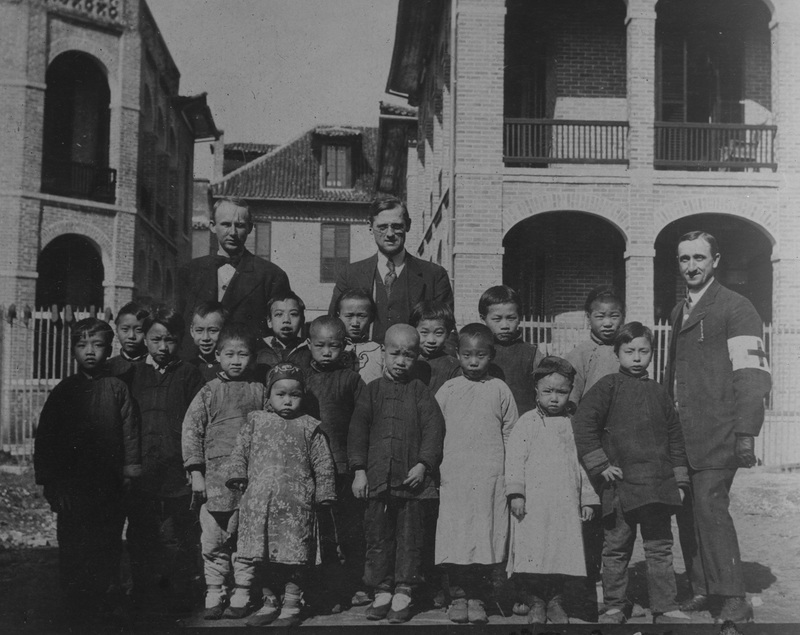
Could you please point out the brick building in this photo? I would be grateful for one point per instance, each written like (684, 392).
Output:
(564, 143)
(97, 154)
(309, 199)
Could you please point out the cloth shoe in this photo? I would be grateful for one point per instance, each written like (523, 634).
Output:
(214, 604)
(671, 617)
(380, 606)
(698, 602)
(538, 612)
(476, 612)
(239, 606)
(520, 608)
(613, 616)
(735, 609)
(637, 610)
(288, 618)
(401, 609)
(267, 614)
(458, 612)
(555, 611)
(360, 598)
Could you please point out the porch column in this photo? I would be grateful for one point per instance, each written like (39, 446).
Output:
(478, 151)
(641, 80)
(784, 345)
(639, 296)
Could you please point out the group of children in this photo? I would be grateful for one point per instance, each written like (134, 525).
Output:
(319, 462)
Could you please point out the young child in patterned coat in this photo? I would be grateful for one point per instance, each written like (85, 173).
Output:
(284, 466)
(210, 429)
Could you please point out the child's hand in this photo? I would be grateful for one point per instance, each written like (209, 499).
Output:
(360, 485)
(198, 483)
(587, 513)
(518, 507)
(415, 476)
(611, 474)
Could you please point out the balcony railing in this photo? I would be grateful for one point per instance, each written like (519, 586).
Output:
(714, 146)
(540, 142)
(79, 180)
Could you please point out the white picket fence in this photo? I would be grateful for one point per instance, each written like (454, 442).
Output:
(35, 355)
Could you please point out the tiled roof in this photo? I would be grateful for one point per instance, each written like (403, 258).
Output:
(250, 148)
(292, 171)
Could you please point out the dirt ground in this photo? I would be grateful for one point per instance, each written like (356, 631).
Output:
(766, 509)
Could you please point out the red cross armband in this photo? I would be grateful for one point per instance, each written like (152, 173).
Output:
(747, 351)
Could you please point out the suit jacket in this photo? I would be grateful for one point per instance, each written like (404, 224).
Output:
(245, 299)
(718, 375)
(426, 281)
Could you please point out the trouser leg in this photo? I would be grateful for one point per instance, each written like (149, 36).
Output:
(217, 545)
(618, 538)
(409, 543)
(379, 532)
(687, 536)
(655, 523)
(716, 534)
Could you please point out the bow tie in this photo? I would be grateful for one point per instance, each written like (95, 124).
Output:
(233, 261)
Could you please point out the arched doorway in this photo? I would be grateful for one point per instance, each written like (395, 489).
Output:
(745, 266)
(71, 272)
(75, 147)
(554, 259)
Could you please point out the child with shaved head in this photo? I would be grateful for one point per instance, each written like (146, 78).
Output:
(394, 448)
(332, 390)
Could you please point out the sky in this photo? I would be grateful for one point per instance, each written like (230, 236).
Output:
(275, 68)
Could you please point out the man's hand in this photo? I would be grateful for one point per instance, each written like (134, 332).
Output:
(360, 484)
(415, 476)
(611, 474)
(587, 513)
(745, 450)
(517, 505)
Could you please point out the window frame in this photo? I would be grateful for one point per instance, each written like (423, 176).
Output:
(329, 266)
(346, 168)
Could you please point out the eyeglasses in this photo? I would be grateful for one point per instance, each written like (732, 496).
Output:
(397, 228)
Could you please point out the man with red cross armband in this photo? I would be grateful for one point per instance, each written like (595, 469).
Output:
(718, 375)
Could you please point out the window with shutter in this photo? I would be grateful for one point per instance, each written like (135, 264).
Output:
(335, 250)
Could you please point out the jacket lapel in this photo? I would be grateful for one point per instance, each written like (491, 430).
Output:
(205, 280)
(703, 305)
(416, 282)
(366, 273)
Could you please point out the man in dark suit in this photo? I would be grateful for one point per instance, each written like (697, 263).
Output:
(395, 278)
(718, 375)
(242, 282)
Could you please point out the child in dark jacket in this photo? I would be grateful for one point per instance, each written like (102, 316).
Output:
(85, 455)
(332, 390)
(130, 334)
(435, 324)
(210, 427)
(394, 448)
(629, 438)
(161, 526)
(208, 318)
(500, 309)
(287, 316)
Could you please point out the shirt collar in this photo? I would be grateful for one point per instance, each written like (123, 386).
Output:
(625, 371)
(161, 369)
(696, 295)
(127, 357)
(274, 343)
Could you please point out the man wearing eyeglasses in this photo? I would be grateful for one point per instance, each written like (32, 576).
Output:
(395, 278)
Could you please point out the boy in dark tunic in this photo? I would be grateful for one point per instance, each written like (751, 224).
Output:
(208, 318)
(130, 334)
(394, 448)
(287, 315)
(162, 529)
(435, 323)
(85, 455)
(500, 309)
(629, 439)
(332, 390)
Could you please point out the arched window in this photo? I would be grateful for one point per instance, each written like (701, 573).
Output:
(75, 147)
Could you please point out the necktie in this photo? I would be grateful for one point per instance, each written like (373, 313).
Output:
(388, 281)
(687, 307)
(221, 261)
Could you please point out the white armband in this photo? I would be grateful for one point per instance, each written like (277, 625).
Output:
(747, 351)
